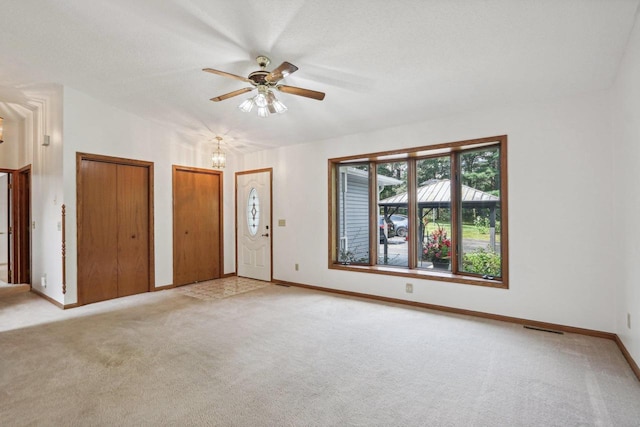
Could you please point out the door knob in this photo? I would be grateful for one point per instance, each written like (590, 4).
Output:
(265, 235)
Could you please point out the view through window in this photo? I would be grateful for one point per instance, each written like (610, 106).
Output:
(430, 210)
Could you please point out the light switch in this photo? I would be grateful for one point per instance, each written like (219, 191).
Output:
(282, 223)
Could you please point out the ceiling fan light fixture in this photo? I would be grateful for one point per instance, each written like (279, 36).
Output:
(247, 105)
(263, 112)
(261, 99)
(218, 158)
(265, 82)
(279, 106)
(275, 106)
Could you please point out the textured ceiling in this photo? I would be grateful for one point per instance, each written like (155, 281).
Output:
(381, 63)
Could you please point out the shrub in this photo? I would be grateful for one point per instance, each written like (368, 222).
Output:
(485, 262)
(482, 224)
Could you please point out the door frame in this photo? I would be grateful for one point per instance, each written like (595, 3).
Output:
(10, 224)
(175, 169)
(79, 188)
(19, 257)
(22, 225)
(249, 172)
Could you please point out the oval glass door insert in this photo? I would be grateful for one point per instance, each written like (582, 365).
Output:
(253, 212)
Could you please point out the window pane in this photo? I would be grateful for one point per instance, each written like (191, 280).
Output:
(434, 213)
(253, 212)
(392, 213)
(353, 214)
(480, 212)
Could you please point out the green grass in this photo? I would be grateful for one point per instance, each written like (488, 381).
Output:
(469, 231)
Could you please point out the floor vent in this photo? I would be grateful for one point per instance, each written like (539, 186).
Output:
(283, 285)
(543, 330)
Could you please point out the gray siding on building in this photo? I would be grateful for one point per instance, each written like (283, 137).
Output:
(353, 206)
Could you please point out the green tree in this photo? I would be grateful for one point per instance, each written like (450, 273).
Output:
(397, 170)
(433, 168)
(480, 170)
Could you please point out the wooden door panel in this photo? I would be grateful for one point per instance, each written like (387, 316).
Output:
(208, 234)
(196, 227)
(133, 229)
(97, 237)
(184, 228)
(22, 226)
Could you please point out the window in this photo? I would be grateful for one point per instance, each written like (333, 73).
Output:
(353, 217)
(435, 212)
(253, 212)
(392, 181)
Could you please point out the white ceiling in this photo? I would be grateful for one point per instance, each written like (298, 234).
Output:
(381, 63)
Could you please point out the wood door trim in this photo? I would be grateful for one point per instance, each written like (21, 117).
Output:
(248, 172)
(79, 187)
(10, 224)
(178, 168)
(270, 170)
(21, 238)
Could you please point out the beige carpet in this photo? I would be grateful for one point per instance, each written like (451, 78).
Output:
(279, 356)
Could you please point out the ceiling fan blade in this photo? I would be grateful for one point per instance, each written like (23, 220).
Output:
(281, 72)
(232, 94)
(225, 74)
(301, 92)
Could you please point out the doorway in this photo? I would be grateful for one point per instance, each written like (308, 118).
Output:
(115, 227)
(197, 225)
(253, 224)
(5, 220)
(15, 226)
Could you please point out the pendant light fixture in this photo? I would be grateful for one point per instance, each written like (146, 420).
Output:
(219, 158)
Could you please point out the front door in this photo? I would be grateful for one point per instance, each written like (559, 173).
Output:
(253, 224)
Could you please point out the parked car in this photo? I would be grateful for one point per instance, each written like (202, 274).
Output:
(391, 231)
(401, 224)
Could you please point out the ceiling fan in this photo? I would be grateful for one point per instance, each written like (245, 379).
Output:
(264, 81)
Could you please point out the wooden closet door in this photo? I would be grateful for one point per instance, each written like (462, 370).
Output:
(208, 242)
(97, 232)
(196, 226)
(133, 229)
(185, 264)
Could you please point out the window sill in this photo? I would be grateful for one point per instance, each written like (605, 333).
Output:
(422, 274)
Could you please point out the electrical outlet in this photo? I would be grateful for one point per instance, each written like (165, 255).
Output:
(629, 320)
(409, 288)
(297, 267)
(43, 281)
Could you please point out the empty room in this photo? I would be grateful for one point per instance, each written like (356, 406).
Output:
(301, 212)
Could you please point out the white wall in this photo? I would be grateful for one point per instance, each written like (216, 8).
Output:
(13, 140)
(626, 160)
(91, 126)
(41, 115)
(46, 191)
(560, 210)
